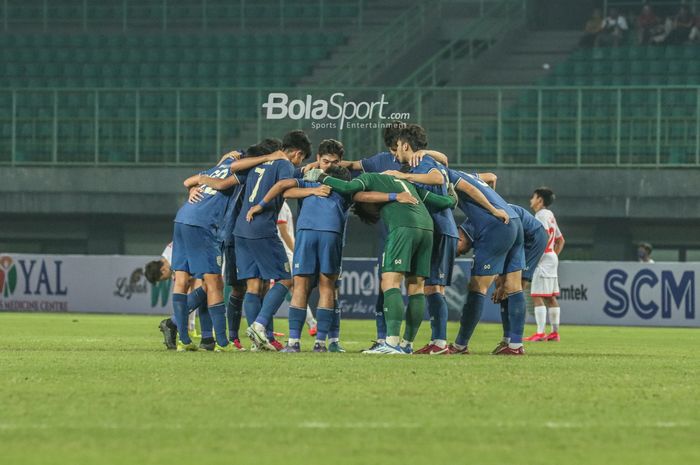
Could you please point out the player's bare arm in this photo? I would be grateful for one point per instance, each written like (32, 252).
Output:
(303, 192)
(489, 178)
(559, 245)
(481, 199)
(381, 197)
(434, 178)
(286, 237)
(418, 156)
(235, 154)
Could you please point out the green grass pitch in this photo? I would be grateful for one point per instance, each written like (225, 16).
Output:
(90, 389)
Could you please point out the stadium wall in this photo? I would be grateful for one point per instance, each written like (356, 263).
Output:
(127, 210)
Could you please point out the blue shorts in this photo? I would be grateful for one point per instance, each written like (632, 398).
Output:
(491, 246)
(317, 252)
(261, 258)
(515, 259)
(534, 248)
(442, 260)
(230, 271)
(196, 250)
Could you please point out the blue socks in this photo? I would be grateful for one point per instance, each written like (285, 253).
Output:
(181, 313)
(218, 317)
(516, 315)
(273, 299)
(471, 314)
(234, 311)
(251, 307)
(334, 332)
(379, 317)
(437, 308)
(196, 298)
(297, 318)
(205, 323)
(324, 318)
(505, 321)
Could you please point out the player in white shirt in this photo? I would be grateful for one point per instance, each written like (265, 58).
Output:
(160, 270)
(545, 281)
(285, 230)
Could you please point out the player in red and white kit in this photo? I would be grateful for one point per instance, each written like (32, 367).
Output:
(545, 281)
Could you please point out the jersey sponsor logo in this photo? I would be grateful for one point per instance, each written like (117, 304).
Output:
(296, 266)
(487, 266)
(649, 292)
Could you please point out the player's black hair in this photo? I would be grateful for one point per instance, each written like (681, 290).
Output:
(152, 271)
(368, 213)
(391, 133)
(414, 136)
(297, 140)
(264, 147)
(546, 194)
(339, 172)
(332, 147)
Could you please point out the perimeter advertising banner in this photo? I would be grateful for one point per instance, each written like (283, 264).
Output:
(593, 293)
(79, 283)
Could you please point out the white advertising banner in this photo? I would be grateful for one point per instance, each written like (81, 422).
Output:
(80, 283)
(629, 293)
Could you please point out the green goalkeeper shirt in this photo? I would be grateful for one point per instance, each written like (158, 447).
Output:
(395, 214)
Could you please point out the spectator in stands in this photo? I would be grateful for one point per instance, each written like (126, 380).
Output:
(647, 25)
(644, 253)
(681, 27)
(614, 29)
(695, 31)
(593, 26)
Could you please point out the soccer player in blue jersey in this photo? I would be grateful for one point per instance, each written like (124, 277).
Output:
(496, 233)
(260, 254)
(197, 247)
(319, 245)
(535, 242)
(432, 176)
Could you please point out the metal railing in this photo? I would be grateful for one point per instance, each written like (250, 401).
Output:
(475, 126)
(136, 15)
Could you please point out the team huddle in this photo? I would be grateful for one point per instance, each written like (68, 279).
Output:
(230, 223)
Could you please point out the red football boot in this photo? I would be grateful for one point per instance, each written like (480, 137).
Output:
(277, 345)
(237, 344)
(552, 337)
(452, 350)
(437, 350)
(423, 350)
(536, 337)
(508, 351)
(501, 345)
(313, 330)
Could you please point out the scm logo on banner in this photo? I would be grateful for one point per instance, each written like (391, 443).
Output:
(648, 293)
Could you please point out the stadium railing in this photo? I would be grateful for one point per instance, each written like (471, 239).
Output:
(624, 126)
(143, 15)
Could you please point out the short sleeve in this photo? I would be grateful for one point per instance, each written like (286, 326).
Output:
(426, 165)
(298, 173)
(453, 177)
(285, 170)
(372, 164)
(242, 176)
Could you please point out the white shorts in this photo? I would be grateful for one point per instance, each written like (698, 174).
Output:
(544, 286)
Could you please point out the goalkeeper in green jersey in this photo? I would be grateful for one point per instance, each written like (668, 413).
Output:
(408, 246)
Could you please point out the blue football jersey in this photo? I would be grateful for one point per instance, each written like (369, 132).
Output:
(383, 161)
(531, 225)
(258, 182)
(443, 220)
(323, 213)
(467, 205)
(208, 212)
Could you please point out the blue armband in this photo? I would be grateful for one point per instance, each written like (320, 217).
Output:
(392, 197)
